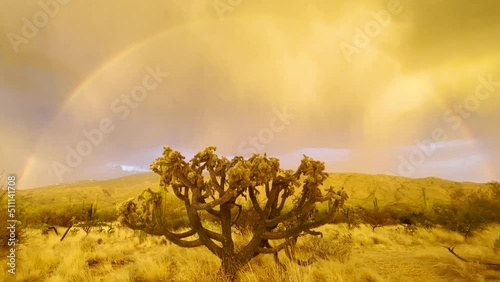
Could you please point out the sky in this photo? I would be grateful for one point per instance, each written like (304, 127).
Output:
(95, 89)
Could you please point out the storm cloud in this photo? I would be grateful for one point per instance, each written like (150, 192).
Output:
(402, 87)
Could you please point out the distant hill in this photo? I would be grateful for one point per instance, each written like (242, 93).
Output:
(361, 188)
(395, 190)
(109, 192)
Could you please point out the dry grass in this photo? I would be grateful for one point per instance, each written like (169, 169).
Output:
(388, 254)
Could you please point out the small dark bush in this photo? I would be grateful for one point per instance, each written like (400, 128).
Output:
(378, 217)
(246, 220)
(468, 213)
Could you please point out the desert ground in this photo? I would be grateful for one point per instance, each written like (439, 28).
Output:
(389, 253)
(350, 249)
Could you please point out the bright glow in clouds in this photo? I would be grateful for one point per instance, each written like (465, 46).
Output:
(400, 101)
(131, 168)
(227, 76)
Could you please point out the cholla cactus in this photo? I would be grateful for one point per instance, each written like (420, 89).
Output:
(259, 181)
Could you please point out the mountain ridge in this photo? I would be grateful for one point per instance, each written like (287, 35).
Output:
(362, 189)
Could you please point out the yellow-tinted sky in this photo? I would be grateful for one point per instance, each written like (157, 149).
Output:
(409, 88)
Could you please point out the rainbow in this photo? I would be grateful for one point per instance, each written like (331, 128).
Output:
(28, 165)
(78, 90)
(487, 167)
(466, 131)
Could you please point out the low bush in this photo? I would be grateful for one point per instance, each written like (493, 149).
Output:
(378, 217)
(335, 247)
(469, 213)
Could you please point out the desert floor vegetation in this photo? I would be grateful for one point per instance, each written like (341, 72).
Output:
(233, 222)
(389, 253)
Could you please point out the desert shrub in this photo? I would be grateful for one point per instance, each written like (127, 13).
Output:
(337, 247)
(107, 215)
(247, 219)
(63, 216)
(351, 216)
(410, 229)
(378, 217)
(457, 270)
(414, 220)
(494, 191)
(410, 218)
(175, 214)
(32, 216)
(36, 217)
(469, 213)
